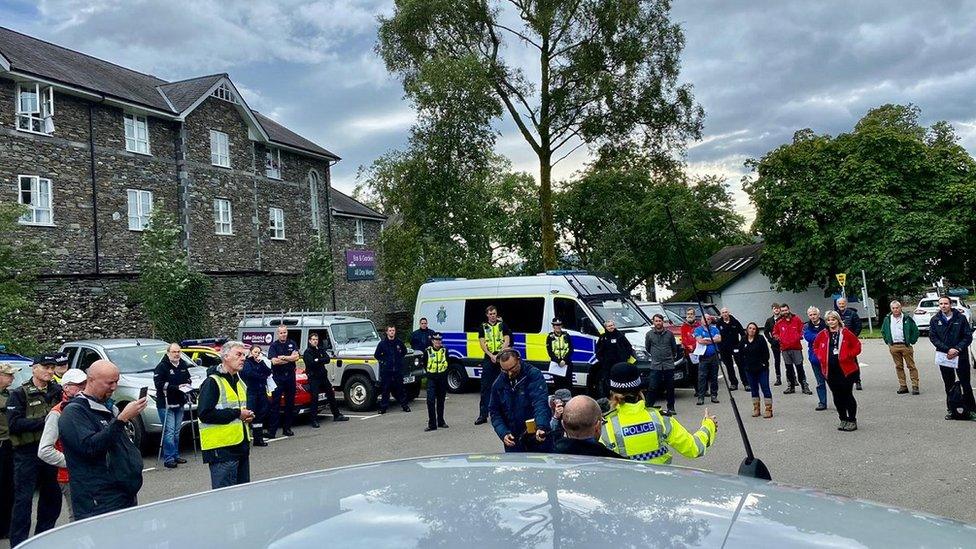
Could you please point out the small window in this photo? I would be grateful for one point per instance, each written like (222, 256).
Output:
(313, 191)
(140, 207)
(276, 223)
(136, 133)
(35, 193)
(360, 234)
(520, 314)
(272, 163)
(222, 216)
(35, 108)
(224, 93)
(573, 316)
(87, 358)
(219, 149)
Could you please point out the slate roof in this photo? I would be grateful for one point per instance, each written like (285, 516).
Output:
(48, 61)
(344, 204)
(728, 265)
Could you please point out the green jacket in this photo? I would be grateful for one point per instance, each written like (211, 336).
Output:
(911, 330)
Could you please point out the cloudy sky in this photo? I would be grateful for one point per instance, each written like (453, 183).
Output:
(761, 69)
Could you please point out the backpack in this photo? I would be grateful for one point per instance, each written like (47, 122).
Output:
(956, 400)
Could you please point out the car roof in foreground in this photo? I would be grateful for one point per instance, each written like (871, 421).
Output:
(116, 343)
(511, 500)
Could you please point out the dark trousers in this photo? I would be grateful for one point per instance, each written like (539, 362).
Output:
(30, 473)
(391, 381)
(794, 367)
(598, 380)
(318, 384)
(230, 473)
(730, 362)
(6, 487)
(257, 402)
(285, 387)
(436, 393)
(489, 372)
(776, 359)
(563, 382)
(950, 375)
(842, 389)
(708, 375)
(661, 382)
(759, 381)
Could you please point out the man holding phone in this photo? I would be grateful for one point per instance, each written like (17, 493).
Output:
(225, 432)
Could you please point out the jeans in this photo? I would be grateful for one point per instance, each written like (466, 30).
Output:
(30, 473)
(708, 375)
(842, 388)
(391, 381)
(285, 387)
(949, 376)
(436, 393)
(661, 382)
(230, 473)
(821, 383)
(171, 420)
(489, 372)
(759, 380)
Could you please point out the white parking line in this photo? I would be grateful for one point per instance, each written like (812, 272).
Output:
(367, 417)
(354, 415)
(275, 439)
(149, 469)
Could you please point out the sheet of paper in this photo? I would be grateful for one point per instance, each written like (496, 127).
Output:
(942, 359)
(694, 358)
(271, 384)
(700, 349)
(557, 370)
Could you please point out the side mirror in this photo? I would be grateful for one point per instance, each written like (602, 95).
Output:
(198, 361)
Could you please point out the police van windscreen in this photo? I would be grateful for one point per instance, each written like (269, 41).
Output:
(621, 311)
(354, 332)
(138, 358)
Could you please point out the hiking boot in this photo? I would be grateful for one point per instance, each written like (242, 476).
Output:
(779, 381)
(859, 388)
(902, 391)
(790, 389)
(701, 400)
(769, 409)
(842, 426)
(915, 390)
(480, 420)
(755, 407)
(714, 399)
(806, 388)
(820, 407)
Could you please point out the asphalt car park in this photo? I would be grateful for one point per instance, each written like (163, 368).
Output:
(903, 454)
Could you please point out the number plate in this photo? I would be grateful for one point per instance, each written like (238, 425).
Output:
(409, 379)
(323, 396)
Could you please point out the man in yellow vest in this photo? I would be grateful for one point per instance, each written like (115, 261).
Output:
(637, 432)
(225, 433)
(436, 360)
(493, 337)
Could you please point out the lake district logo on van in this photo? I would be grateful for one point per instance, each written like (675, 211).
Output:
(441, 315)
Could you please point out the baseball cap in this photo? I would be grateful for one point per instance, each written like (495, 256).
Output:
(48, 358)
(61, 358)
(563, 394)
(8, 369)
(74, 376)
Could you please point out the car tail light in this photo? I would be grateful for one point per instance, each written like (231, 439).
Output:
(919, 311)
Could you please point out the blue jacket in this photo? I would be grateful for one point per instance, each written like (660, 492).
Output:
(390, 354)
(255, 375)
(513, 403)
(420, 339)
(954, 333)
(810, 333)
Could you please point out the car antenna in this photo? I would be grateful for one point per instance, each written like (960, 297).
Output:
(751, 466)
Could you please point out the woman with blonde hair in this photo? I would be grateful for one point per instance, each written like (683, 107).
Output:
(837, 349)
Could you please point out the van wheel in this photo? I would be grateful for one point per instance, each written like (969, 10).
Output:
(457, 380)
(360, 393)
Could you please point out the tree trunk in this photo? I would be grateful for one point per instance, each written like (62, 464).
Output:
(545, 208)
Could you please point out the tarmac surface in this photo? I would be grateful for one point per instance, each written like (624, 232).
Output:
(903, 454)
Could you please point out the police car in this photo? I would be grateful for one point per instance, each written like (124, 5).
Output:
(17, 361)
(349, 340)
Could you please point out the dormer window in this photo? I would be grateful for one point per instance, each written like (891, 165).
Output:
(224, 93)
(272, 163)
(35, 108)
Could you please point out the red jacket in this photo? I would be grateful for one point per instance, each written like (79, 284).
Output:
(850, 347)
(789, 332)
(62, 472)
(688, 340)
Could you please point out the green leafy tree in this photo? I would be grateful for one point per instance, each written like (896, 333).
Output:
(890, 197)
(20, 261)
(569, 73)
(173, 294)
(615, 221)
(314, 286)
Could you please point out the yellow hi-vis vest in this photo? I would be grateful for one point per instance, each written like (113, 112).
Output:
(494, 338)
(642, 434)
(230, 434)
(560, 345)
(436, 360)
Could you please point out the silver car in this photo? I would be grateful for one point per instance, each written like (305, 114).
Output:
(136, 359)
(511, 500)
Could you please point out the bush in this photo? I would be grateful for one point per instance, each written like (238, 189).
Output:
(20, 262)
(313, 287)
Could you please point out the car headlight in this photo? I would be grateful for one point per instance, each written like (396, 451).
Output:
(641, 354)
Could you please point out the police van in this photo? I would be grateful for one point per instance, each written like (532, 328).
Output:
(349, 340)
(527, 304)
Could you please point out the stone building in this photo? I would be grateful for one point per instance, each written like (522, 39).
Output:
(93, 148)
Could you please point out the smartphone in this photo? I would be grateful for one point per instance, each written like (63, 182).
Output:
(143, 392)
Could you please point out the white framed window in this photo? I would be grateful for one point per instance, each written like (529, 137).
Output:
(136, 133)
(276, 223)
(222, 216)
(219, 149)
(35, 108)
(360, 234)
(313, 192)
(224, 92)
(140, 207)
(272, 163)
(35, 193)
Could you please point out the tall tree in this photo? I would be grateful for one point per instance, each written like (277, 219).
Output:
(615, 220)
(884, 198)
(569, 73)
